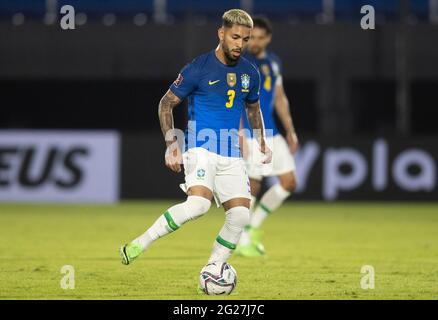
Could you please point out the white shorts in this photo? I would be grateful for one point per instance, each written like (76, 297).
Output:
(282, 160)
(226, 177)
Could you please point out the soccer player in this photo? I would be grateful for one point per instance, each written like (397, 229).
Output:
(218, 86)
(272, 97)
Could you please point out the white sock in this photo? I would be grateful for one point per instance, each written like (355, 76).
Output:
(235, 220)
(173, 218)
(245, 239)
(271, 200)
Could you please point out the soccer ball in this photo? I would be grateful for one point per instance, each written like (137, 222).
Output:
(218, 278)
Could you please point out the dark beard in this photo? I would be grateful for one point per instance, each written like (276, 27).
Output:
(229, 58)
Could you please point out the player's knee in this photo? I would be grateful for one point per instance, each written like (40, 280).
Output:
(238, 217)
(197, 206)
(289, 184)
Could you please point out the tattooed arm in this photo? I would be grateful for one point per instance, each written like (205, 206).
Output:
(242, 141)
(255, 120)
(173, 158)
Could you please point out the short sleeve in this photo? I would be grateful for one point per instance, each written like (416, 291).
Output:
(277, 65)
(254, 89)
(186, 82)
(277, 69)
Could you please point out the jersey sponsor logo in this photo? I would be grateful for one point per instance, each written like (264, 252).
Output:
(178, 80)
(245, 81)
(212, 82)
(231, 79)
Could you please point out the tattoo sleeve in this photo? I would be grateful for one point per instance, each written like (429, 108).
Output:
(255, 120)
(165, 107)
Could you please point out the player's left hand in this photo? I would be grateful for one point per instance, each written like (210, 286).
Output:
(173, 157)
(292, 141)
(267, 152)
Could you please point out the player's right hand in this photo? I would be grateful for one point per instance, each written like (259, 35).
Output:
(173, 157)
(267, 152)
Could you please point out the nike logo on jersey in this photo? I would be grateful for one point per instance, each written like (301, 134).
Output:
(212, 82)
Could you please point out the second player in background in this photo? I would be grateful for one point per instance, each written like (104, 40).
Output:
(272, 98)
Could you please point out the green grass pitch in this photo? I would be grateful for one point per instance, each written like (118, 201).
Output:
(315, 251)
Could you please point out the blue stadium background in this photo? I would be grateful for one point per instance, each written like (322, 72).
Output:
(345, 10)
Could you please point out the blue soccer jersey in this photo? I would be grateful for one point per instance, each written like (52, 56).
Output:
(270, 72)
(217, 94)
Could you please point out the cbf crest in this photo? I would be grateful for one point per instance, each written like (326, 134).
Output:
(200, 174)
(265, 69)
(245, 82)
(231, 79)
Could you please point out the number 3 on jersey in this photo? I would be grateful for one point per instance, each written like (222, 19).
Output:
(231, 94)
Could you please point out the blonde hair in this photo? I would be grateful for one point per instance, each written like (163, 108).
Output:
(237, 16)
